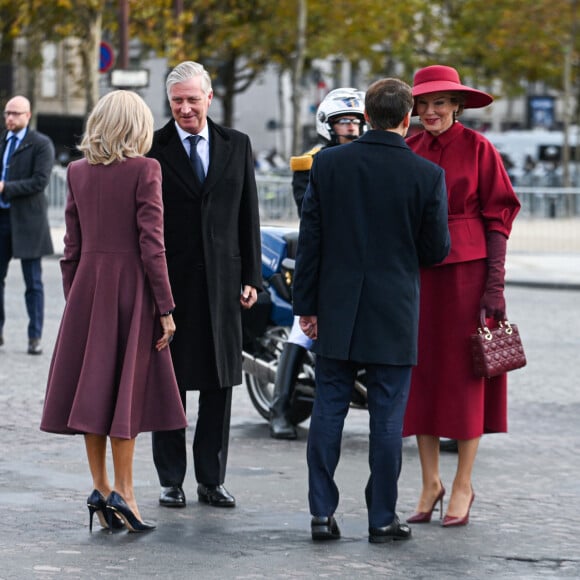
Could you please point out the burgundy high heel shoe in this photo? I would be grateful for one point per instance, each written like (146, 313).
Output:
(449, 521)
(425, 517)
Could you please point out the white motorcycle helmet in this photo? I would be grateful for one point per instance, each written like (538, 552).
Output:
(344, 101)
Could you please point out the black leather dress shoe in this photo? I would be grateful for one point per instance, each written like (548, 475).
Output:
(34, 346)
(324, 528)
(172, 496)
(394, 532)
(216, 495)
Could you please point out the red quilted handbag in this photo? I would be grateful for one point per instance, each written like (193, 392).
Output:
(498, 350)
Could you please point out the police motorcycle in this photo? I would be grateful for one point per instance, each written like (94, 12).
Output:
(266, 328)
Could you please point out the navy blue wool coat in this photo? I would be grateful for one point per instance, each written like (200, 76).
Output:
(373, 214)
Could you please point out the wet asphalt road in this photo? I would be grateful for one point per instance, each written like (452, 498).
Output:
(524, 522)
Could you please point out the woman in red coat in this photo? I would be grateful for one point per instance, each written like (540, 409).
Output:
(446, 398)
(111, 372)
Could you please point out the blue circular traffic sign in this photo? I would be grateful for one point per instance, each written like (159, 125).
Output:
(106, 57)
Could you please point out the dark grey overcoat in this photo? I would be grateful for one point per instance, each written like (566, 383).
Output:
(28, 175)
(212, 240)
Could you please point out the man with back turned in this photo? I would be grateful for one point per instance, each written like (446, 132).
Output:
(373, 213)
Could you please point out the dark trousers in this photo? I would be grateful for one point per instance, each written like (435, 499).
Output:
(387, 390)
(210, 443)
(32, 274)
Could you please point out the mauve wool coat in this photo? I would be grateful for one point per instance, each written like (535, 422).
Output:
(106, 377)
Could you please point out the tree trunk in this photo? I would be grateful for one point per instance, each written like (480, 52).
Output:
(224, 87)
(6, 82)
(297, 72)
(33, 61)
(281, 126)
(89, 52)
(6, 60)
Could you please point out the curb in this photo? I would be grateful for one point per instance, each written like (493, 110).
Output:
(544, 285)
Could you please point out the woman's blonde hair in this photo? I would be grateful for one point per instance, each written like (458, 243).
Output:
(120, 126)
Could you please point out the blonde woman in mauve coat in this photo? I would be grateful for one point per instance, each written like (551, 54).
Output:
(111, 374)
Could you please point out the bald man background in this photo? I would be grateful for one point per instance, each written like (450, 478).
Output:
(26, 161)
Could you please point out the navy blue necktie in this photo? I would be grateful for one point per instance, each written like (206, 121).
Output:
(11, 147)
(195, 158)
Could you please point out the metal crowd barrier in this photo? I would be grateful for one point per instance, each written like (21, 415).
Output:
(56, 193)
(276, 199)
(275, 195)
(549, 220)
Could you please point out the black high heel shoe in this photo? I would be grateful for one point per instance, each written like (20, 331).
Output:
(116, 505)
(97, 505)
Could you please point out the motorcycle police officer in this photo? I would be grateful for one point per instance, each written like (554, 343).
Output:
(339, 120)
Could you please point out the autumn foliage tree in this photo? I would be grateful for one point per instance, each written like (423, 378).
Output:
(509, 45)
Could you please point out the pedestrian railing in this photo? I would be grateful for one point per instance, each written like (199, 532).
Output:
(549, 202)
(56, 193)
(549, 221)
(276, 199)
(275, 195)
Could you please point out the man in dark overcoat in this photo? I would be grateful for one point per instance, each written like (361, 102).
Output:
(373, 213)
(26, 161)
(212, 240)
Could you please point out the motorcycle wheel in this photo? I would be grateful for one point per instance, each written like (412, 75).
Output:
(261, 392)
(359, 398)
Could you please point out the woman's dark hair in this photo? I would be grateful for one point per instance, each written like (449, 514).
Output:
(387, 102)
(458, 98)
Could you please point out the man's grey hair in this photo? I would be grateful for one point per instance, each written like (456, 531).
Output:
(187, 70)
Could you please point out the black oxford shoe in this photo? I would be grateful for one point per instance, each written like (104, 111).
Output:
(215, 495)
(323, 528)
(172, 496)
(394, 532)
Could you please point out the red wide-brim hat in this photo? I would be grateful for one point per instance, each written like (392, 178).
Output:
(439, 78)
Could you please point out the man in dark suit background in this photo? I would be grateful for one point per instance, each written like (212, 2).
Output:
(212, 241)
(373, 213)
(26, 161)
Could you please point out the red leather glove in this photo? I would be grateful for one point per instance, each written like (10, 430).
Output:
(493, 300)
